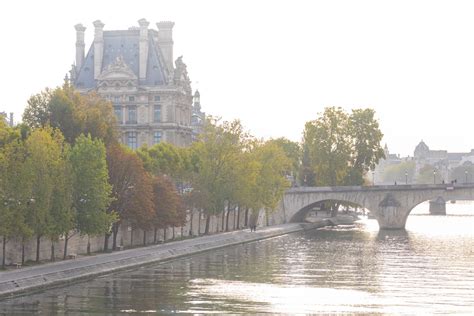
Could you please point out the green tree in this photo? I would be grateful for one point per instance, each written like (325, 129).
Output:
(426, 175)
(44, 162)
(15, 191)
(91, 189)
(365, 137)
(328, 147)
(463, 173)
(396, 173)
(72, 113)
(293, 152)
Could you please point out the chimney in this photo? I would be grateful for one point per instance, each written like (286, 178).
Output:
(11, 119)
(165, 41)
(98, 47)
(143, 48)
(80, 46)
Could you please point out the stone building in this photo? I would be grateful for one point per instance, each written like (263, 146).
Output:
(134, 69)
(197, 117)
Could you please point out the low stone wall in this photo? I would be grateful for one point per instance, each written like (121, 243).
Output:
(30, 279)
(126, 237)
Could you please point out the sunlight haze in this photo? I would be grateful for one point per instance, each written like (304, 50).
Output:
(277, 64)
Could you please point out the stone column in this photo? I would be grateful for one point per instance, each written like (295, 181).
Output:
(165, 41)
(80, 46)
(143, 48)
(98, 47)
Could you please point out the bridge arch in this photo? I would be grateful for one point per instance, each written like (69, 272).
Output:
(301, 214)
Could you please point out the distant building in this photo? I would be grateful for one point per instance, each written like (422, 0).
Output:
(7, 119)
(134, 69)
(442, 161)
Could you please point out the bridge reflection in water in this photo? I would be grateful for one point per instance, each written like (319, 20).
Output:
(390, 205)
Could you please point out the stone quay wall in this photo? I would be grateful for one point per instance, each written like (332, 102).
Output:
(126, 237)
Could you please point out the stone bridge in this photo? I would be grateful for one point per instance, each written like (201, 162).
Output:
(390, 204)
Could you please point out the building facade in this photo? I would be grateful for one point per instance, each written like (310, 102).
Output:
(134, 69)
(7, 119)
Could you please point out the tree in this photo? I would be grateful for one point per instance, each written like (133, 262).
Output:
(293, 152)
(463, 173)
(328, 147)
(91, 190)
(169, 208)
(365, 137)
(396, 173)
(271, 181)
(132, 191)
(45, 163)
(426, 175)
(15, 191)
(72, 113)
(218, 153)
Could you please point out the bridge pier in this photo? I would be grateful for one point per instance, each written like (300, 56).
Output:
(391, 214)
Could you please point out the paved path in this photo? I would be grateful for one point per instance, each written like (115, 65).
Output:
(29, 279)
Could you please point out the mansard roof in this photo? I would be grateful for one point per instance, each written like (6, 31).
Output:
(124, 44)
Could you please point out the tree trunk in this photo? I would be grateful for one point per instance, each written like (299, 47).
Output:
(246, 217)
(131, 237)
(53, 257)
(155, 232)
(173, 232)
(182, 231)
(38, 244)
(66, 239)
(199, 222)
(191, 224)
(223, 220)
(267, 220)
(106, 242)
(227, 218)
(115, 229)
(238, 217)
(144, 237)
(164, 234)
(233, 213)
(88, 244)
(23, 250)
(4, 251)
(208, 223)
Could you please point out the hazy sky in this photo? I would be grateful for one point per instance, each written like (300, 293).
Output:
(277, 64)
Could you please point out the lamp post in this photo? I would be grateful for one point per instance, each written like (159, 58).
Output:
(373, 177)
(465, 174)
(434, 176)
(406, 177)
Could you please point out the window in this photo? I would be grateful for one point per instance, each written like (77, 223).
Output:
(132, 114)
(132, 140)
(118, 114)
(156, 137)
(116, 98)
(157, 98)
(157, 113)
(131, 98)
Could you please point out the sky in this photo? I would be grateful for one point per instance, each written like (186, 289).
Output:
(277, 64)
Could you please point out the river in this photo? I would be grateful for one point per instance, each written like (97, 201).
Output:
(427, 269)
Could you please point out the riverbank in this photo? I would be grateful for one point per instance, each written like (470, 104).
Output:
(32, 279)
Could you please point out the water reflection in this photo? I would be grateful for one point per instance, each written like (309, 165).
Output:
(344, 270)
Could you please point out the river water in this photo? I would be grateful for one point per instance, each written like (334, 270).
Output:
(427, 269)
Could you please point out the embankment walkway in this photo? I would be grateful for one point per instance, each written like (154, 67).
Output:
(31, 279)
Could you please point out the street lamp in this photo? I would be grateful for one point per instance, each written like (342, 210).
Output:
(434, 176)
(406, 177)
